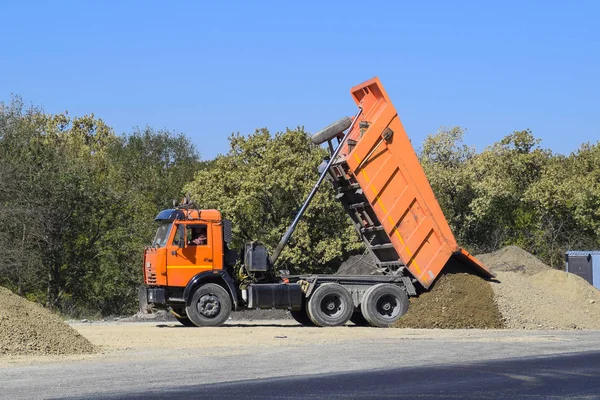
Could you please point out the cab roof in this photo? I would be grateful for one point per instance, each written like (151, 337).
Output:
(188, 214)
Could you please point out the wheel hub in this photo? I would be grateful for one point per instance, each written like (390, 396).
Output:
(332, 306)
(209, 305)
(387, 306)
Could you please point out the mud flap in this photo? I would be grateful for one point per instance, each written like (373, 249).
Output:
(143, 300)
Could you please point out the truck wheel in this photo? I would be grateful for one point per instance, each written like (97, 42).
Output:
(358, 319)
(331, 131)
(185, 321)
(210, 305)
(182, 318)
(301, 316)
(330, 305)
(384, 304)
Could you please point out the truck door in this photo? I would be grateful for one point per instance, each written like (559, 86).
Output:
(190, 252)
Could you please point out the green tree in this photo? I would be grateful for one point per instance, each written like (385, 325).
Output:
(77, 206)
(261, 183)
(444, 157)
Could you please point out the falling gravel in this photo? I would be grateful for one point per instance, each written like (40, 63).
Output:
(456, 301)
(29, 329)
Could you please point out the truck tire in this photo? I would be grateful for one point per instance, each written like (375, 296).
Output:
(301, 316)
(185, 321)
(210, 305)
(331, 131)
(330, 305)
(182, 317)
(383, 304)
(358, 319)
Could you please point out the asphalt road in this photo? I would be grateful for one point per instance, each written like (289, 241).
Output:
(277, 360)
(575, 376)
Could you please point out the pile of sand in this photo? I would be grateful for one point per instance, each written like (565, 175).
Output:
(27, 328)
(531, 295)
(457, 300)
(513, 259)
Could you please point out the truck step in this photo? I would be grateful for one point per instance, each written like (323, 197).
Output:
(359, 205)
(351, 144)
(391, 264)
(348, 188)
(370, 229)
(382, 246)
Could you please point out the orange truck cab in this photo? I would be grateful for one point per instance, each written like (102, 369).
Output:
(190, 269)
(188, 250)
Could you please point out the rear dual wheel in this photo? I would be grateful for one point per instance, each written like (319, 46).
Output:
(330, 305)
(301, 316)
(383, 304)
(358, 319)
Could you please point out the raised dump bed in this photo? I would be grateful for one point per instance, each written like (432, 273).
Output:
(383, 187)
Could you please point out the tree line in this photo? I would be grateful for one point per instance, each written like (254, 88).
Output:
(77, 204)
(77, 201)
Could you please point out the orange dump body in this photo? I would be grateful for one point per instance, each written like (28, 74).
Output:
(384, 188)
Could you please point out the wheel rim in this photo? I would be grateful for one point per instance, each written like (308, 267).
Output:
(332, 306)
(209, 306)
(388, 306)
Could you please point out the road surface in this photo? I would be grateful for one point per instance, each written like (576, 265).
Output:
(277, 359)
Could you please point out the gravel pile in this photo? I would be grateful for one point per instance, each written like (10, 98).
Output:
(513, 259)
(29, 329)
(531, 295)
(456, 301)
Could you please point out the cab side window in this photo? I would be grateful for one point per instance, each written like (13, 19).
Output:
(178, 239)
(196, 235)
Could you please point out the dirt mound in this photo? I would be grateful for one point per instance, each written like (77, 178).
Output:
(362, 264)
(548, 300)
(457, 300)
(27, 328)
(531, 295)
(513, 259)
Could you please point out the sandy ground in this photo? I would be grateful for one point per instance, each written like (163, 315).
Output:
(137, 357)
(127, 340)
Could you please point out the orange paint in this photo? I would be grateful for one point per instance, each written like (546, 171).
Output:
(395, 185)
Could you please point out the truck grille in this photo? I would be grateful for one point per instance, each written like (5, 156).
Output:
(150, 274)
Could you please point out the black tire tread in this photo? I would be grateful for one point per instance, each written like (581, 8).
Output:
(371, 295)
(196, 318)
(317, 296)
(301, 316)
(330, 131)
(358, 319)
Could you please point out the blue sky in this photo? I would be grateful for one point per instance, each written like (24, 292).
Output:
(208, 69)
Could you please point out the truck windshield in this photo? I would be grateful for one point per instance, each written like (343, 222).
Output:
(162, 234)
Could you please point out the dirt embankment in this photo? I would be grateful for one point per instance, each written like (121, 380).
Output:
(531, 295)
(28, 329)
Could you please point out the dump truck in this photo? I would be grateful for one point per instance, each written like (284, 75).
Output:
(190, 269)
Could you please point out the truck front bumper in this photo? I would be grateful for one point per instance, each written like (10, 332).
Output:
(150, 298)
